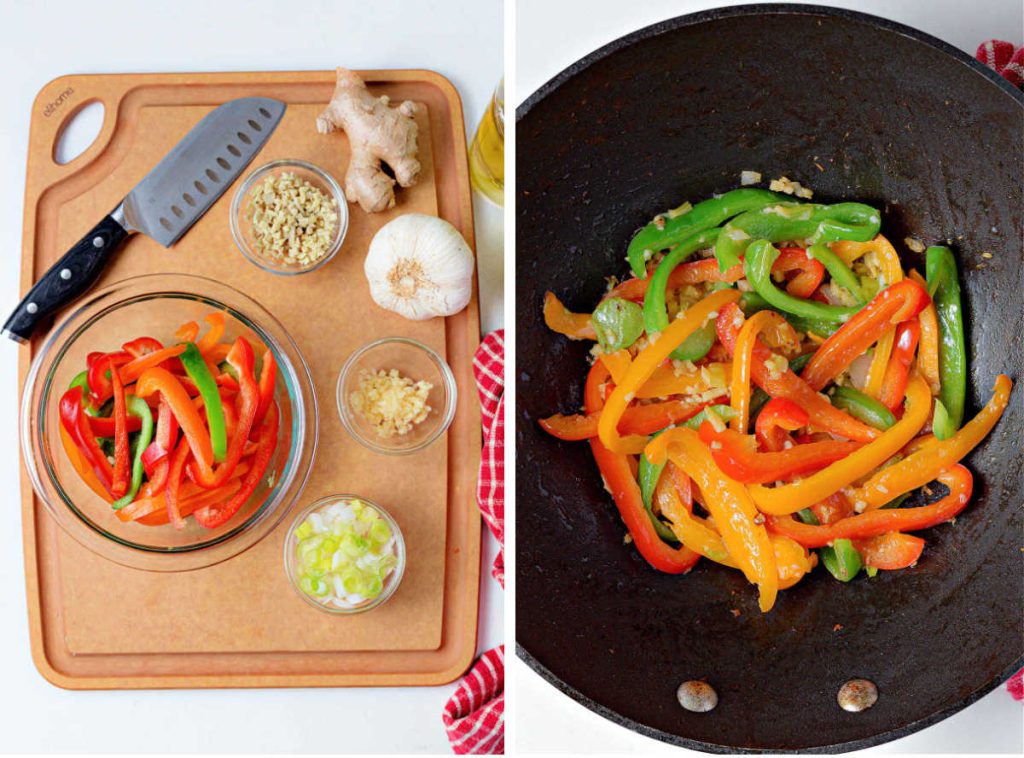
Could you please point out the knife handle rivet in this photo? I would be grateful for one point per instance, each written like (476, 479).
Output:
(97, 241)
(31, 307)
(65, 274)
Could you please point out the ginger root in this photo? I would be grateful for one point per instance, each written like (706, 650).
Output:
(376, 132)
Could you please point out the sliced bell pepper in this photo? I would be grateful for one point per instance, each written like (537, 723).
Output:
(665, 381)
(637, 419)
(890, 551)
(730, 504)
(175, 475)
(788, 385)
(934, 455)
(72, 418)
(928, 351)
(841, 274)
(159, 358)
(882, 521)
(188, 505)
(217, 322)
(736, 454)
(99, 380)
(790, 498)
(778, 417)
(645, 364)
(82, 466)
(761, 256)
(575, 326)
(861, 406)
(894, 385)
(833, 508)
(122, 453)
(82, 380)
(893, 305)
(160, 380)
(198, 372)
(137, 407)
(617, 323)
(267, 383)
(695, 272)
(945, 288)
(187, 332)
(667, 231)
(842, 560)
(743, 355)
(241, 358)
(212, 516)
(654, 488)
(809, 271)
(103, 426)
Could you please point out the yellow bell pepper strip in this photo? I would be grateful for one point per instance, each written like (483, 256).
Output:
(786, 384)
(792, 560)
(790, 498)
(743, 355)
(647, 361)
(160, 380)
(933, 455)
(575, 326)
(893, 305)
(665, 381)
(625, 491)
(928, 349)
(729, 503)
(892, 272)
(882, 521)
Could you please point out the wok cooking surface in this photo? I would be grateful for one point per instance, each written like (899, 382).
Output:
(675, 112)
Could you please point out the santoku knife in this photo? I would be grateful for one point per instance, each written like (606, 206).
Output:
(163, 206)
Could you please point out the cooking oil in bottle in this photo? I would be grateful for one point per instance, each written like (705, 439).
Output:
(487, 153)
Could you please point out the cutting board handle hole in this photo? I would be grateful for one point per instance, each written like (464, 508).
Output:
(78, 132)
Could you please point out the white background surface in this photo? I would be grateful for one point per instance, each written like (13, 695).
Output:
(551, 36)
(460, 39)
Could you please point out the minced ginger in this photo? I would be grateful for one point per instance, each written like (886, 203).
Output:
(292, 221)
(391, 403)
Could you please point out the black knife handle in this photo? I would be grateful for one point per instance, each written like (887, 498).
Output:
(66, 280)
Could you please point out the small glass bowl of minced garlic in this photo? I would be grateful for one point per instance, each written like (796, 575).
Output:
(396, 395)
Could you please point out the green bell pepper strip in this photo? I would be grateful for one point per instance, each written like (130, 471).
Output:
(618, 323)
(841, 559)
(942, 424)
(841, 273)
(136, 406)
(862, 407)
(665, 232)
(761, 254)
(751, 303)
(199, 372)
(82, 380)
(789, 221)
(944, 287)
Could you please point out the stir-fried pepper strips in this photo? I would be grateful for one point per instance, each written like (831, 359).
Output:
(761, 254)
(861, 406)
(945, 289)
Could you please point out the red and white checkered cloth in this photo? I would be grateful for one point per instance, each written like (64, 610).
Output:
(1003, 58)
(474, 717)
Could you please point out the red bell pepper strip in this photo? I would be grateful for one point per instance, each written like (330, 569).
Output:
(695, 272)
(103, 426)
(638, 419)
(625, 491)
(890, 551)
(175, 474)
(894, 383)
(810, 271)
(73, 420)
(241, 358)
(268, 381)
(786, 384)
(777, 417)
(152, 456)
(141, 346)
(122, 453)
(833, 508)
(99, 382)
(160, 380)
(893, 305)
(212, 516)
(882, 521)
(737, 456)
(81, 465)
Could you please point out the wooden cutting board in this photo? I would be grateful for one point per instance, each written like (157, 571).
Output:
(97, 624)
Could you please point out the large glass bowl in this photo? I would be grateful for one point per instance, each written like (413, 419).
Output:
(155, 306)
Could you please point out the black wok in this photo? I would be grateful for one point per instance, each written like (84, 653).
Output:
(676, 111)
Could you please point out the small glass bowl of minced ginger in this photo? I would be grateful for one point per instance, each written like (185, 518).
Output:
(344, 554)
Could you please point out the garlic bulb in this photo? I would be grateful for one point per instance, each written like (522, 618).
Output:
(419, 267)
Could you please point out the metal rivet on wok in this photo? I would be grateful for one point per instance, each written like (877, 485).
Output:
(857, 695)
(697, 696)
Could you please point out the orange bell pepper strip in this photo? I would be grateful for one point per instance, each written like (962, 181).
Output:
(213, 335)
(153, 508)
(737, 456)
(928, 351)
(175, 474)
(876, 522)
(82, 466)
(790, 498)
(932, 456)
(729, 503)
(187, 332)
(786, 384)
(638, 419)
(645, 363)
(778, 417)
(132, 371)
(575, 326)
(743, 356)
(692, 531)
(695, 272)
(893, 305)
(894, 386)
(891, 551)
(160, 380)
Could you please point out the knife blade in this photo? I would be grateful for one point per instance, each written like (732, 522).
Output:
(163, 206)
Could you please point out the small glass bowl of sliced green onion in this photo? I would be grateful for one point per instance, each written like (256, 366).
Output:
(344, 554)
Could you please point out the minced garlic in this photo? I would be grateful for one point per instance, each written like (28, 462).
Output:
(392, 404)
(788, 186)
(292, 221)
